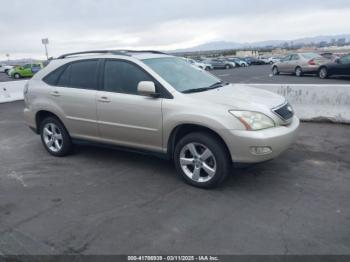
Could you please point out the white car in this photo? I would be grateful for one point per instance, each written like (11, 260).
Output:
(200, 65)
(5, 68)
(273, 60)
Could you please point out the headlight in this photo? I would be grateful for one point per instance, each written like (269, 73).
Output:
(253, 120)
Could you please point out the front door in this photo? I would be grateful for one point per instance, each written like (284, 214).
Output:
(125, 117)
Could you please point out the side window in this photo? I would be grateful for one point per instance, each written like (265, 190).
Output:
(82, 74)
(123, 77)
(295, 57)
(52, 78)
(64, 80)
(345, 59)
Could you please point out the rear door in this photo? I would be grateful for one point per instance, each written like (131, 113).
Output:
(125, 117)
(283, 65)
(293, 63)
(75, 95)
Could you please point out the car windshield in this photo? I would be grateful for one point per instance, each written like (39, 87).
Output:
(310, 55)
(181, 75)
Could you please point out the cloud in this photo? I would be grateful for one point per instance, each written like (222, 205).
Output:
(91, 24)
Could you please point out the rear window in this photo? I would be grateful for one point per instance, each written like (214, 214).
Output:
(310, 55)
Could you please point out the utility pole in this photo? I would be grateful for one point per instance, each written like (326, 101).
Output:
(45, 42)
(8, 57)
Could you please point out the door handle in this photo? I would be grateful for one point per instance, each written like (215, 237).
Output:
(104, 99)
(55, 93)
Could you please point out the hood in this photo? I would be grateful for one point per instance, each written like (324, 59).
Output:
(242, 97)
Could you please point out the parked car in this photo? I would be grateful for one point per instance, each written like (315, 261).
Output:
(340, 67)
(27, 70)
(200, 65)
(238, 62)
(265, 60)
(299, 64)
(272, 60)
(220, 64)
(332, 57)
(159, 103)
(5, 68)
(254, 61)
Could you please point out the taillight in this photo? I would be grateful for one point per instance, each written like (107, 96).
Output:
(312, 62)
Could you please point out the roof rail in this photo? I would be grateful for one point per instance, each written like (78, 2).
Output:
(115, 52)
(143, 51)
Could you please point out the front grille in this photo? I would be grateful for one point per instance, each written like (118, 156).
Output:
(285, 112)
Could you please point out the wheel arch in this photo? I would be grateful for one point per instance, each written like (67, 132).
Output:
(41, 115)
(182, 130)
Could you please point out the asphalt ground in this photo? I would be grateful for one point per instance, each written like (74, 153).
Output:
(104, 201)
(261, 74)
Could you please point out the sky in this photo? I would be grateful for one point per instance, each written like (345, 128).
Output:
(76, 25)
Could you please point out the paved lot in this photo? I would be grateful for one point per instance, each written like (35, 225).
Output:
(103, 201)
(262, 75)
(4, 78)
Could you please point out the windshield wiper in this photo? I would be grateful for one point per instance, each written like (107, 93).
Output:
(202, 89)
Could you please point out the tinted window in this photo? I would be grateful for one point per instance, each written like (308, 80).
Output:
(52, 78)
(65, 77)
(123, 77)
(82, 74)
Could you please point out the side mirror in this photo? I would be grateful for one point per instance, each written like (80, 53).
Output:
(337, 61)
(147, 88)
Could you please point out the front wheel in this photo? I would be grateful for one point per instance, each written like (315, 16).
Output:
(323, 73)
(202, 160)
(17, 76)
(227, 66)
(275, 71)
(55, 137)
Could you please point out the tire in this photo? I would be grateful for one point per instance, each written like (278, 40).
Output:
(298, 71)
(17, 76)
(275, 71)
(6, 71)
(52, 130)
(207, 68)
(323, 73)
(203, 173)
(227, 67)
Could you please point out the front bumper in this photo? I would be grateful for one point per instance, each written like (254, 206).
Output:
(278, 139)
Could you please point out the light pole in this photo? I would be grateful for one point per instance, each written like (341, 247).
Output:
(8, 57)
(45, 42)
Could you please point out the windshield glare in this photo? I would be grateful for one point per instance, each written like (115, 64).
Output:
(180, 74)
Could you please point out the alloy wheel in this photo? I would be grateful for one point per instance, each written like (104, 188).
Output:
(53, 137)
(198, 162)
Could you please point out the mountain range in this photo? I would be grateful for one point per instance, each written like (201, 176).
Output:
(224, 45)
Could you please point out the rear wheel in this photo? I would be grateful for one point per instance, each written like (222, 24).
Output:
(17, 76)
(6, 71)
(202, 160)
(55, 137)
(275, 71)
(298, 71)
(227, 66)
(323, 73)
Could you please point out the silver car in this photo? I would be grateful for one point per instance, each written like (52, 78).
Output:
(299, 64)
(152, 101)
